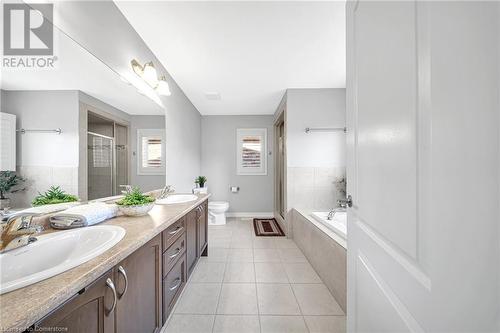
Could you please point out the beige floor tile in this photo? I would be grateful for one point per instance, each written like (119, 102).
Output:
(208, 272)
(199, 298)
(239, 272)
(236, 324)
(216, 255)
(291, 255)
(315, 299)
(238, 298)
(277, 299)
(301, 273)
(241, 255)
(282, 324)
(242, 243)
(190, 323)
(220, 232)
(266, 272)
(263, 243)
(222, 243)
(266, 255)
(285, 243)
(326, 324)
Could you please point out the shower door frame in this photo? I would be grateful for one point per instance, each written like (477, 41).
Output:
(113, 160)
(85, 109)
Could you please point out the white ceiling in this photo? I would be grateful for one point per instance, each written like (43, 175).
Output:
(77, 69)
(249, 52)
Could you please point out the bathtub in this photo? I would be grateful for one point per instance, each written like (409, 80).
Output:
(338, 224)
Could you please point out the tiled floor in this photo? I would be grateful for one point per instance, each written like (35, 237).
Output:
(254, 284)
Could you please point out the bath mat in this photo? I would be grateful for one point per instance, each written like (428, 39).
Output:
(267, 227)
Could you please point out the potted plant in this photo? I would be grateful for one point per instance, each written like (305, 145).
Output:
(54, 195)
(9, 183)
(200, 181)
(135, 203)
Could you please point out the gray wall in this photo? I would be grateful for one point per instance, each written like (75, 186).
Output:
(145, 182)
(112, 39)
(315, 108)
(218, 163)
(45, 158)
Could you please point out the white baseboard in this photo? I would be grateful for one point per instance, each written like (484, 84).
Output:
(250, 215)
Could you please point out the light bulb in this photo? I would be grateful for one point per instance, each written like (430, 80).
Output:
(149, 74)
(136, 67)
(163, 88)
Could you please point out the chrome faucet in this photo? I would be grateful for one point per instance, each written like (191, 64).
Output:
(166, 191)
(343, 203)
(17, 231)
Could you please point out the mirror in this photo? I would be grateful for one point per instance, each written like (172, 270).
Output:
(80, 126)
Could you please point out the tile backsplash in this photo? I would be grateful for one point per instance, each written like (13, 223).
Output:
(40, 178)
(313, 189)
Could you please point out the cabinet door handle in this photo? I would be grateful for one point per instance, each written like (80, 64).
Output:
(111, 286)
(176, 285)
(179, 228)
(121, 270)
(177, 252)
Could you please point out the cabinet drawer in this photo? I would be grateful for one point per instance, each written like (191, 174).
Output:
(173, 284)
(173, 253)
(171, 233)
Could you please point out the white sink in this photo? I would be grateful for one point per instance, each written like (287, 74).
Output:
(53, 254)
(177, 199)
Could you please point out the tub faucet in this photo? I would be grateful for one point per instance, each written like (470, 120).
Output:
(343, 204)
(17, 231)
(166, 191)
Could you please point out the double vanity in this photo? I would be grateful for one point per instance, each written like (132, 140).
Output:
(129, 287)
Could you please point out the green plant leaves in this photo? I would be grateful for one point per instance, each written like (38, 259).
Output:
(8, 181)
(54, 195)
(135, 198)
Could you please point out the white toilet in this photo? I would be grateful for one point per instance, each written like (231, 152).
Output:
(217, 212)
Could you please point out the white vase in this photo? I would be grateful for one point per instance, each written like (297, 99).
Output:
(200, 190)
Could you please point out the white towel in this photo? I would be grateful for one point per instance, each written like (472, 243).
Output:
(47, 209)
(84, 215)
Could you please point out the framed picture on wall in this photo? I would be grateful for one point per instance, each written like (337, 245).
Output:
(251, 151)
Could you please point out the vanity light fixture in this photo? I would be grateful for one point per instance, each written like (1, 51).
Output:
(150, 76)
(163, 88)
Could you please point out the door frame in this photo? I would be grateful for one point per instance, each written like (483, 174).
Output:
(280, 118)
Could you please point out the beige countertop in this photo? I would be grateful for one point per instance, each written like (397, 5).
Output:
(21, 308)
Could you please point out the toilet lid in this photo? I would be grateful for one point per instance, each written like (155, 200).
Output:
(218, 204)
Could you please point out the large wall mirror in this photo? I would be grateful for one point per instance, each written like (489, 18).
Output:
(78, 126)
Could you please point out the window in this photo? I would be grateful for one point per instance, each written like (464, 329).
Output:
(251, 151)
(151, 152)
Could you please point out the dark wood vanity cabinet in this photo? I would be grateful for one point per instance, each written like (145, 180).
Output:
(138, 294)
(181, 252)
(196, 234)
(91, 310)
(192, 240)
(202, 228)
(138, 286)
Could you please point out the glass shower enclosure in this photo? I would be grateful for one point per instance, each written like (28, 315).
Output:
(107, 157)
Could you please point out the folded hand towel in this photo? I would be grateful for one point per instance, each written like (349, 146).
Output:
(84, 215)
(47, 209)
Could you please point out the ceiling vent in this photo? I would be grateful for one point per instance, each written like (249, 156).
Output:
(213, 96)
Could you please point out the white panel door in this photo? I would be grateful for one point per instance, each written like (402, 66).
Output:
(414, 259)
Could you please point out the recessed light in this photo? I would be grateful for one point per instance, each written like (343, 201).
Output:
(213, 96)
